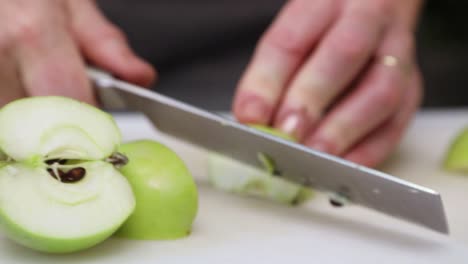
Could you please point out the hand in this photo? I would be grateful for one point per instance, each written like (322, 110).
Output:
(44, 45)
(339, 75)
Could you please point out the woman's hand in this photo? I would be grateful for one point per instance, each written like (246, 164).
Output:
(44, 45)
(339, 75)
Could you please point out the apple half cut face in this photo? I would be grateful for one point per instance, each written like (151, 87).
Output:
(60, 190)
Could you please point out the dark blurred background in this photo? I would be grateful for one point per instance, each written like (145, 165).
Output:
(201, 48)
(443, 53)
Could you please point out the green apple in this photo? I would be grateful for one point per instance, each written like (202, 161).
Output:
(165, 192)
(59, 189)
(232, 176)
(456, 157)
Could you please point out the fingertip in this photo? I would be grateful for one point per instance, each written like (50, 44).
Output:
(106, 47)
(136, 70)
(117, 58)
(250, 108)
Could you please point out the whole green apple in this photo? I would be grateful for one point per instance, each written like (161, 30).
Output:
(165, 192)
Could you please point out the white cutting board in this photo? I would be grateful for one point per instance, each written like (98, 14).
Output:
(234, 229)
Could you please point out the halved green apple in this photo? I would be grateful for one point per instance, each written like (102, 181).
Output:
(232, 176)
(59, 188)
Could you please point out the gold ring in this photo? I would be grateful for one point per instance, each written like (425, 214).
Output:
(390, 61)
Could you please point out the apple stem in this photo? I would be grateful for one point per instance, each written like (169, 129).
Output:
(117, 159)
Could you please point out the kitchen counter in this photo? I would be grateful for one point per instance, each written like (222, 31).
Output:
(238, 229)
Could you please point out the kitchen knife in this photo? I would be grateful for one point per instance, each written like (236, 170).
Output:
(346, 181)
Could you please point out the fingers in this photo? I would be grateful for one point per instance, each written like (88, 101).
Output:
(105, 45)
(369, 105)
(40, 50)
(10, 85)
(342, 53)
(373, 150)
(49, 63)
(375, 99)
(279, 53)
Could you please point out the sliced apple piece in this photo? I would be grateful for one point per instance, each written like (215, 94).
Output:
(232, 176)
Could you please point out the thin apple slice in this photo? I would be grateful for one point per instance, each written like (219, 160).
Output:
(41, 212)
(31, 128)
(232, 176)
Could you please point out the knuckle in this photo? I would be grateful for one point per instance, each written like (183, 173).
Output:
(310, 95)
(351, 46)
(264, 85)
(27, 29)
(111, 32)
(286, 40)
(389, 96)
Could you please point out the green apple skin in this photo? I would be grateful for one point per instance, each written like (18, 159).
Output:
(44, 240)
(456, 158)
(51, 245)
(165, 192)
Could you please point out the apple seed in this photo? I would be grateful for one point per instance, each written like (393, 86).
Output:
(74, 175)
(71, 176)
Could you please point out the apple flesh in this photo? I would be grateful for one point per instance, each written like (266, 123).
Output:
(165, 192)
(59, 190)
(456, 157)
(232, 176)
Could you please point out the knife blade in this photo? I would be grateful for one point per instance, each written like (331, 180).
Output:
(345, 180)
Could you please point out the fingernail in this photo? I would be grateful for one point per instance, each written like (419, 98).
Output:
(254, 111)
(295, 124)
